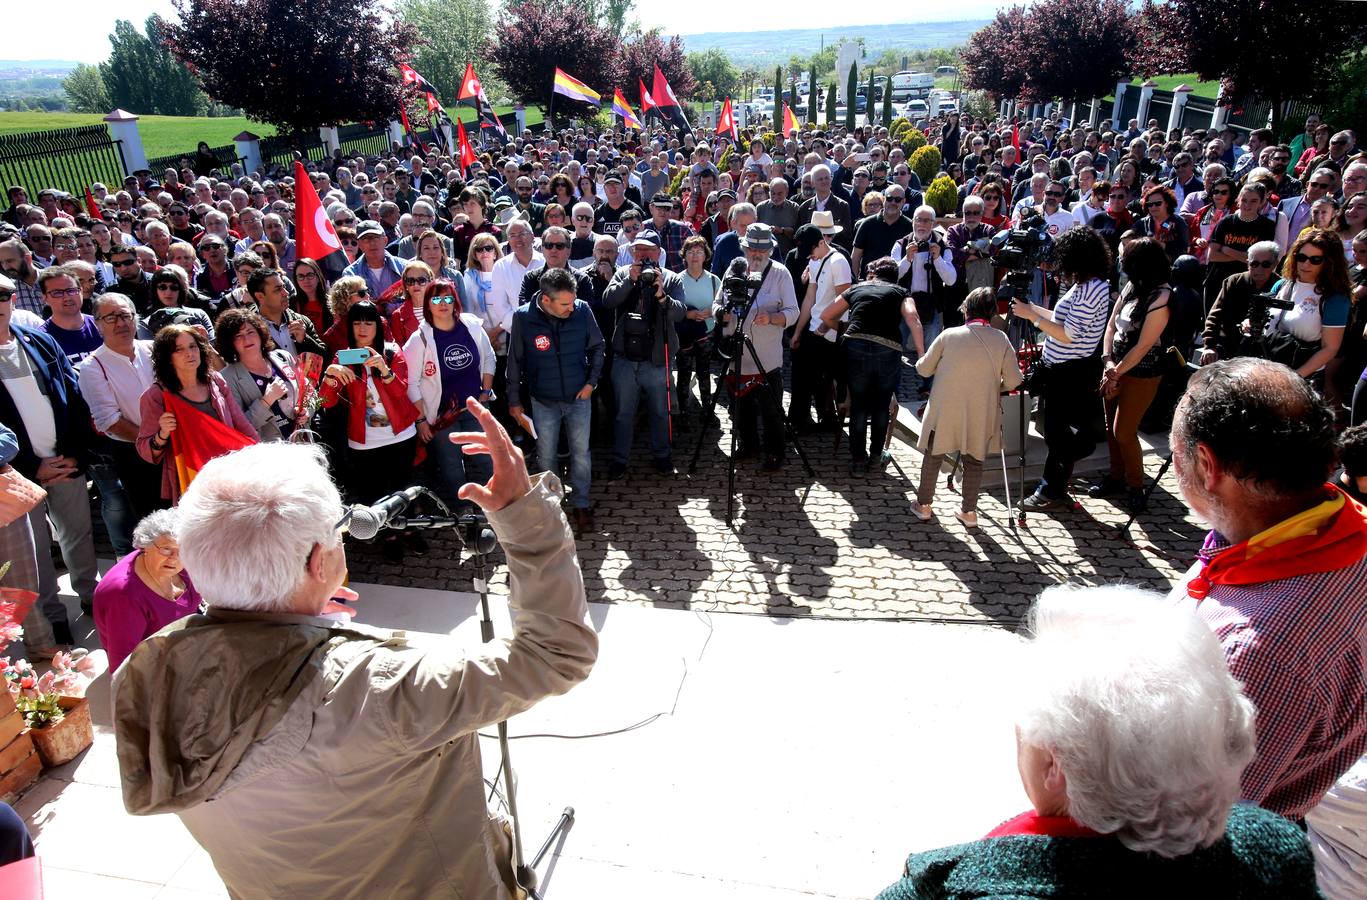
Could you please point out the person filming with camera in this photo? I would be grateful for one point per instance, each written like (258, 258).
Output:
(772, 304)
(649, 302)
(925, 267)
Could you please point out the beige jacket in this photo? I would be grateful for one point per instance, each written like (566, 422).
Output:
(972, 365)
(324, 760)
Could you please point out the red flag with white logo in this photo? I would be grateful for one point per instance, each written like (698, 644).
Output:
(467, 153)
(469, 85)
(647, 102)
(726, 122)
(314, 235)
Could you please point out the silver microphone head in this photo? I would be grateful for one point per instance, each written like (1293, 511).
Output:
(365, 522)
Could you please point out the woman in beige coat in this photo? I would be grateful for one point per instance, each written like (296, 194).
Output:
(972, 365)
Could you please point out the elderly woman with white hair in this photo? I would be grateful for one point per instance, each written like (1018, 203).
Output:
(1131, 737)
(146, 590)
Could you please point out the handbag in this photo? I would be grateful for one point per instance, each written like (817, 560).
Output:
(18, 495)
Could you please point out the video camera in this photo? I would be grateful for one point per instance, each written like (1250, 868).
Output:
(1260, 308)
(1020, 251)
(739, 289)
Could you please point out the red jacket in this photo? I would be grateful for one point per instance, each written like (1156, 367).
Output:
(393, 395)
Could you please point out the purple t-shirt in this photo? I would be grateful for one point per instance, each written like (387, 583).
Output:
(127, 610)
(79, 343)
(458, 363)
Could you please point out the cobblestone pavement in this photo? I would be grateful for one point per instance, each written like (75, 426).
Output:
(839, 546)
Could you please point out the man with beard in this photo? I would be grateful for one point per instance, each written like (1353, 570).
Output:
(1279, 160)
(16, 262)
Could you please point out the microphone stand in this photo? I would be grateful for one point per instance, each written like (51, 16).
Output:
(475, 535)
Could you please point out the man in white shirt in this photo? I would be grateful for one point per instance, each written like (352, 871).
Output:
(816, 357)
(926, 268)
(504, 299)
(113, 379)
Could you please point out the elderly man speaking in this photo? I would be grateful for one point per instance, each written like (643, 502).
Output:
(316, 758)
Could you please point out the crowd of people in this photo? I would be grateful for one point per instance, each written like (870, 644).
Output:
(572, 283)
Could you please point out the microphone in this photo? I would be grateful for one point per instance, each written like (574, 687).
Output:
(366, 521)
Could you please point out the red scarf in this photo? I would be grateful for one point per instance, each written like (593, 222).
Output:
(1341, 542)
(1047, 826)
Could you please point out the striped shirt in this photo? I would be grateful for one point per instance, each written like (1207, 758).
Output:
(1299, 646)
(1083, 313)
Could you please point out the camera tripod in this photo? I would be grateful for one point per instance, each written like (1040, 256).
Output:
(475, 535)
(771, 396)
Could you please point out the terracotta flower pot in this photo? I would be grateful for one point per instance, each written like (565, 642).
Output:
(61, 742)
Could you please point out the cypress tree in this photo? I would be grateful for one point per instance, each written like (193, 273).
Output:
(849, 95)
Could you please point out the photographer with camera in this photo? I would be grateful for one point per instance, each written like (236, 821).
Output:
(925, 267)
(1071, 360)
(1222, 337)
(764, 294)
(649, 302)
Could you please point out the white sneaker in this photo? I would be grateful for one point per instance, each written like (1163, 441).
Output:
(970, 519)
(924, 513)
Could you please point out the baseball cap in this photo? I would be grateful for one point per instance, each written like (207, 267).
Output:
(646, 238)
(612, 176)
(369, 227)
(662, 199)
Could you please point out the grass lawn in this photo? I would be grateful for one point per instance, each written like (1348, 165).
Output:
(1209, 89)
(164, 135)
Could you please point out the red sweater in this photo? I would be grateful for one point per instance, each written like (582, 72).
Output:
(393, 395)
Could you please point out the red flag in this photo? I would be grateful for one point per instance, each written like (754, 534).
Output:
(314, 235)
(403, 116)
(663, 94)
(726, 122)
(91, 206)
(469, 85)
(198, 438)
(432, 104)
(789, 121)
(1016, 137)
(647, 102)
(467, 153)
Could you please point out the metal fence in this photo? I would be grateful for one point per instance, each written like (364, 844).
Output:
(226, 156)
(365, 140)
(279, 150)
(68, 159)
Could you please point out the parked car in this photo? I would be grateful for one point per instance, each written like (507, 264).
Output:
(916, 109)
(946, 70)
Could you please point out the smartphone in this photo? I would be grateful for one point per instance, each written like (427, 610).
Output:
(353, 357)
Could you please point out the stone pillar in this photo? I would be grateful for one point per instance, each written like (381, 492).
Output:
(1120, 88)
(396, 133)
(846, 55)
(249, 150)
(520, 116)
(1180, 94)
(1145, 96)
(1095, 118)
(1219, 117)
(123, 126)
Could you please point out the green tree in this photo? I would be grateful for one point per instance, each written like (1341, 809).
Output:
(85, 90)
(887, 104)
(832, 96)
(454, 33)
(850, 88)
(143, 77)
(715, 66)
(611, 14)
(778, 97)
(868, 99)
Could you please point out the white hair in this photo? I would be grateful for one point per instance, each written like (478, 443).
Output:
(155, 525)
(1131, 695)
(251, 518)
(156, 228)
(1268, 247)
(582, 208)
(1354, 167)
(974, 201)
(923, 208)
(819, 169)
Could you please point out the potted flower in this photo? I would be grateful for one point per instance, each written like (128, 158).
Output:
(53, 704)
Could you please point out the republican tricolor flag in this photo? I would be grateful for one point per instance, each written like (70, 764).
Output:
(726, 122)
(198, 438)
(622, 108)
(789, 121)
(569, 86)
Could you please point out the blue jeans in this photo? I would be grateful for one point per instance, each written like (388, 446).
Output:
(873, 373)
(115, 508)
(629, 381)
(929, 332)
(449, 466)
(576, 416)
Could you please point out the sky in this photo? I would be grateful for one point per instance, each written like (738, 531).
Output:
(84, 25)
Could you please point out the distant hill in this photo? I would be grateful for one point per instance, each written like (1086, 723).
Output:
(772, 47)
(39, 65)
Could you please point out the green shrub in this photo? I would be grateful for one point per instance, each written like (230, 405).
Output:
(925, 162)
(943, 193)
(912, 140)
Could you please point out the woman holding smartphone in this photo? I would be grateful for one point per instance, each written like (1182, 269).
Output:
(371, 378)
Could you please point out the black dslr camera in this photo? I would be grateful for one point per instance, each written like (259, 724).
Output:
(650, 273)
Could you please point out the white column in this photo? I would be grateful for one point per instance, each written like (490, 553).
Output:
(330, 140)
(1095, 118)
(1145, 96)
(249, 149)
(395, 133)
(520, 116)
(1120, 88)
(123, 126)
(1072, 114)
(1180, 96)
(1219, 117)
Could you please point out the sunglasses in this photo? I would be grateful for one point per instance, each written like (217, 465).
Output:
(1260, 263)
(1322, 185)
(443, 300)
(1154, 204)
(1306, 258)
(484, 249)
(583, 218)
(417, 282)
(1053, 193)
(118, 264)
(1222, 192)
(556, 245)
